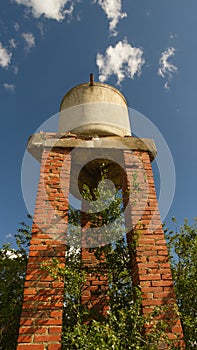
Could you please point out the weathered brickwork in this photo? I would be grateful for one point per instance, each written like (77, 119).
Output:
(94, 295)
(94, 290)
(41, 319)
(150, 264)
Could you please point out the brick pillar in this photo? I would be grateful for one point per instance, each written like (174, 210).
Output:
(94, 295)
(150, 264)
(41, 318)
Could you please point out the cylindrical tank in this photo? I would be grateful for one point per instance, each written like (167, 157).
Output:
(94, 109)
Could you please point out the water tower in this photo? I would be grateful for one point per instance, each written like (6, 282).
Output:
(94, 129)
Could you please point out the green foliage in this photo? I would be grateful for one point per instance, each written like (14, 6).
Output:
(12, 274)
(116, 329)
(123, 326)
(182, 245)
(74, 278)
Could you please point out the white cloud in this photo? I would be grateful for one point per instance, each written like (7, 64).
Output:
(15, 70)
(112, 8)
(5, 57)
(166, 69)
(173, 36)
(122, 60)
(9, 87)
(51, 9)
(30, 41)
(9, 235)
(16, 27)
(13, 43)
(40, 26)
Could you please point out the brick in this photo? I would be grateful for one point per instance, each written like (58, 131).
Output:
(148, 309)
(154, 302)
(24, 338)
(25, 322)
(147, 295)
(162, 283)
(56, 313)
(150, 277)
(29, 291)
(32, 330)
(47, 278)
(164, 294)
(30, 347)
(57, 284)
(47, 338)
(27, 330)
(152, 289)
(49, 322)
(163, 252)
(53, 330)
(145, 284)
(54, 347)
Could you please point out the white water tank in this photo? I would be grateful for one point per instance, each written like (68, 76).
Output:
(94, 109)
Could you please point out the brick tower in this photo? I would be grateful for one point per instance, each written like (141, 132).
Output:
(94, 127)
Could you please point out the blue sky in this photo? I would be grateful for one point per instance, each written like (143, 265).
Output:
(146, 48)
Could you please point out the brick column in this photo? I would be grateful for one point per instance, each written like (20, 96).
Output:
(150, 264)
(41, 318)
(94, 295)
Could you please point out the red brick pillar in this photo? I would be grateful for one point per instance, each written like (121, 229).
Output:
(41, 318)
(150, 264)
(94, 293)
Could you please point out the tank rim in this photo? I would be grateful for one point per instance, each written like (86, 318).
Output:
(98, 84)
